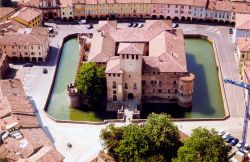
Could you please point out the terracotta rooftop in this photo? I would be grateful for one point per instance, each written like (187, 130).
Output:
(33, 3)
(131, 48)
(242, 21)
(102, 47)
(166, 47)
(113, 66)
(244, 44)
(106, 26)
(28, 14)
(4, 11)
(66, 3)
(23, 39)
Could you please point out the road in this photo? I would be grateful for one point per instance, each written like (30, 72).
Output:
(85, 138)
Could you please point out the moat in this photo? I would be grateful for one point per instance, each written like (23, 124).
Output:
(207, 99)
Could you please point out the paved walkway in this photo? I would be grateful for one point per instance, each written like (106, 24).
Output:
(129, 107)
(85, 138)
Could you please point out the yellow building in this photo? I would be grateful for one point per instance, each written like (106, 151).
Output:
(91, 9)
(79, 9)
(243, 49)
(29, 17)
(5, 13)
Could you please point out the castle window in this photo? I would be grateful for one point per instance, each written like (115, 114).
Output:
(113, 75)
(175, 91)
(127, 57)
(114, 98)
(114, 84)
(135, 87)
(174, 82)
(118, 75)
(136, 57)
(143, 82)
(114, 91)
(133, 57)
(159, 90)
(159, 82)
(153, 90)
(168, 90)
(109, 74)
(126, 86)
(242, 55)
(153, 73)
(123, 56)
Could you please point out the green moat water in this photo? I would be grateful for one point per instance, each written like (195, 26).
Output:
(207, 99)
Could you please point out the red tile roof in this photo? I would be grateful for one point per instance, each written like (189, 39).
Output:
(242, 21)
(28, 14)
(131, 48)
(5, 11)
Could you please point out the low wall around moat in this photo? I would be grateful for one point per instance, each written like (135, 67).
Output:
(227, 114)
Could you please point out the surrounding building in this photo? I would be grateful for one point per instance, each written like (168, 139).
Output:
(50, 8)
(5, 13)
(79, 9)
(10, 26)
(143, 64)
(30, 17)
(4, 64)
(66, 9)
(30, 44)
(242, 27)
(243, 49)
(21, 137)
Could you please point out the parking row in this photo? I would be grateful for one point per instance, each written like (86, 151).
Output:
(235, 142)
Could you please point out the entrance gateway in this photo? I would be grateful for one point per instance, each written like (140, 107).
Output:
(130, 96)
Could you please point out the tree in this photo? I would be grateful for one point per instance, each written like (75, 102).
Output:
(203, 146)
(158, 140)
(91, 82)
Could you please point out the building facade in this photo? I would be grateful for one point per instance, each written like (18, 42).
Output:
(243, 49)
(242, 27)
(66, 9)
(143, 66)
(50, 8)
(27, 44)
(4, 64)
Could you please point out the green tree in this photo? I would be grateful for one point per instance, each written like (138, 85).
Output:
(111, 136)
(91, 82)
(203, 146)
(157, 140)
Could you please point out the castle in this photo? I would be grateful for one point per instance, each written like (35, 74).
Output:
(147, 65)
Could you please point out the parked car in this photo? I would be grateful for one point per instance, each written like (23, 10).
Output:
(175, 25)
(28, 65)
(226, 135)
(234, 141)
(246, 146)
(135, 25)
(221, 132)
(130, 24)
(230, 30)
(45, 71)
(229, 139)
(82, 22)
(239, 144)
(90, 26)
(141, 25)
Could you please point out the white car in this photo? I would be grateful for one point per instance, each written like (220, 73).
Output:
(226, 135)
(239, 144)
(221, 132)
(140, 26)
(82, 22)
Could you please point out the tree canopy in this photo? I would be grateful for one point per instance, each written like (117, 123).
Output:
(91, 82)
(157, 140)
(203, 146)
